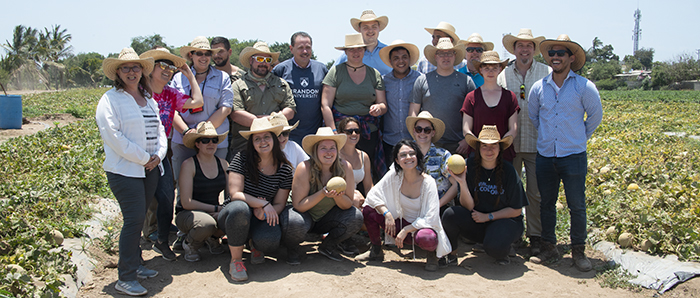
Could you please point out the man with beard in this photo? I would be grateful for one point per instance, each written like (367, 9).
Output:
(258, 93)
(519, 77)
(221, 58)
(565, 109)
(475, 46)
(369, 25)
(305, 77)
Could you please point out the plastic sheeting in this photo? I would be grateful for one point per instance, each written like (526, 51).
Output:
(651, 272)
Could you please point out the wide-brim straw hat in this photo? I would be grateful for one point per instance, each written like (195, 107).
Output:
(476, 38)
(262, 125)
(279, 119)
(164, 54)
(259, 47)
(323, 133)
(564, 40)
(490, 57)
(353, 40)
(127, 55)
(445, 27)
(445, 44)
(524, 34)
(489, 135)
(412, 52)
(438, 125)
(205, 129)
(369, 16)
(200, 43)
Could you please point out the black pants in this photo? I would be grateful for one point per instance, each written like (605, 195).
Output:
(497, 235)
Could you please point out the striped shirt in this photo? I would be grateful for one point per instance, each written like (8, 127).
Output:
(267, 186)
(526, 138)
(151, 119)
(558, 114)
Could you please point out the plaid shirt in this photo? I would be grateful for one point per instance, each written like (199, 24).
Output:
(526, 139)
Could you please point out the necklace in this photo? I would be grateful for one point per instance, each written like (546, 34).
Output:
(490, 175)
(204, 72)
(354, 69)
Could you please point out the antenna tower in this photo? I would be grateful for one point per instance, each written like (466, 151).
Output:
(637, 33)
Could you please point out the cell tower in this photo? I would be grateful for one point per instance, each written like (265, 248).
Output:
(637, 31)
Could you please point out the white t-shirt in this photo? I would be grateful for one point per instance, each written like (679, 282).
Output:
(295, 154)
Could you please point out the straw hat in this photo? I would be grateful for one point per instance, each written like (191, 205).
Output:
(262, 125)
(323, 133)
(476, 38)
(412, 52)
(524, 34)
(164, 54)
(489, 135)
(564, 40)
(369, 16)
(204, 129)
(445, 27)
(445, 44)
(200, 43)
(110, 65)
(353, 40)
(490, 57)
(259, 47)
(279, 119)
(438, 125)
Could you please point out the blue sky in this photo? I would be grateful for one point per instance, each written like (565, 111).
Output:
(106, 27)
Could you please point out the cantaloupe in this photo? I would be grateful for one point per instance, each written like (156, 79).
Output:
(456, 164)
(336, 183)
(625, 240)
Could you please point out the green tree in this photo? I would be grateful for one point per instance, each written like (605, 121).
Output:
(237, 47)
(283, 48)
(21, 48)
(56, 41)
(85, 69)
(668, 74)
(632, 62)
(645, 57)
(144, 43)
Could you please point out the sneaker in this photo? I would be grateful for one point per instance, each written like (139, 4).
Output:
(143, 272)
(153, 237)
(448, 260)
(164, 249)
(548, 253)
(131, 288)
(535, 245)
(578, 253)
(432, 263)
(348, 248)
(177, 245)
(191, 252)
(504, 261)
(478, 248)
(293, 256)
(256, 256)
(330, 253)
(375, 253)
(215, 247)
(237, 271)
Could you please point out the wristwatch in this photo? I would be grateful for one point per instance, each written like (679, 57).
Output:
(490, 216)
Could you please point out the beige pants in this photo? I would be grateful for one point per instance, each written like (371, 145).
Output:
(197, 225)
(532, 211)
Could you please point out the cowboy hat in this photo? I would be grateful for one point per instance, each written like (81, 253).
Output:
(524, 34)
(262, 125)
(199, 43)
(476, 38)
(353, 40)
(564, 40)
(259, 47)
(490, 57)
(445, 27)
(164, 54)
(489, 135)
(369, 16)
(438, 125)
(411, 48)
(445, 44)
(110, 65)
(323, 133)
(204, 129)
(279, 119)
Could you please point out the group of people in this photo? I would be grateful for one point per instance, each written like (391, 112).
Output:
(383, 118)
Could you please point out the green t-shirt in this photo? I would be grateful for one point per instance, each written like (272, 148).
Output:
(351, 98)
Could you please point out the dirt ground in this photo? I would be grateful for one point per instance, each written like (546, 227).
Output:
(36, 124)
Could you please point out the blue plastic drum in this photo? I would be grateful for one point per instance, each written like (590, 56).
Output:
(10, 112)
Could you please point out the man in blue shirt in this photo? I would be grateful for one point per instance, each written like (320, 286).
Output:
(475, 46)
(305, 76)
(369, 25)
(565, 109)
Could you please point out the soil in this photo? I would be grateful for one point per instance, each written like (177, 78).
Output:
(36, 124)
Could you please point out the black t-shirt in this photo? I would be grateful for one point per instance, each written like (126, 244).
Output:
(512, 193)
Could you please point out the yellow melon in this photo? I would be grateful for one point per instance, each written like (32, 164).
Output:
(336, 183)
(456, 164)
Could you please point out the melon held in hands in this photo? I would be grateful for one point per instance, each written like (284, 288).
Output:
(456, 164)
(336, 183)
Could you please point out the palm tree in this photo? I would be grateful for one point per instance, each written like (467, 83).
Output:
(57, 40)
(23, 46)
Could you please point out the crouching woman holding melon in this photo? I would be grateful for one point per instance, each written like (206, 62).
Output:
(318, 206)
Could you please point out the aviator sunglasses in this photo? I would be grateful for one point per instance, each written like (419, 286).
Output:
(477, 49)
(165, 66)
(522, 91)
(207, 140)
(262, 59)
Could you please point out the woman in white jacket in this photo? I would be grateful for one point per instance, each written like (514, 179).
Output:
(405, 201)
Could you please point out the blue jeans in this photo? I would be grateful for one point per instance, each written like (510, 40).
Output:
(165, 194)
(570, 170)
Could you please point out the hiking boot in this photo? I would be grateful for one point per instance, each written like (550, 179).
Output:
(448, 260)
(431, 264)
(131, 288)
(375, 253)
(548, 253)
(535, 245)
(348, 248)
(164, 249)
(478, 248)
(330, 252)
(215, 247)
(143, 272)
(293, 256)
(256, 256)
(237, 271)
(191, 252)
(578, 253)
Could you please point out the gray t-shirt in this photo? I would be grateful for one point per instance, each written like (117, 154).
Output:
(443, 97)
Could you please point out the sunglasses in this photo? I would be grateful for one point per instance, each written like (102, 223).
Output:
(419, 129)
(165, 66)
(352, 131)
(135, 68)
(285, 133)
(472, 49)
(207, 140)
(559, 53)
(200, 54)
(522, 91)
(262, 59)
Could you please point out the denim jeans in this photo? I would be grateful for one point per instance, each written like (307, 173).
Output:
(240, 225)
(571, 171)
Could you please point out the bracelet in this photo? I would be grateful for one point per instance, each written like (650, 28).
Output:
(268, 203)
(186, 130)
(335, 130)
(385, 212)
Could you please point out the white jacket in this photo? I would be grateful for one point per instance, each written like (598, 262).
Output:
(387, 192)
(123, 132)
